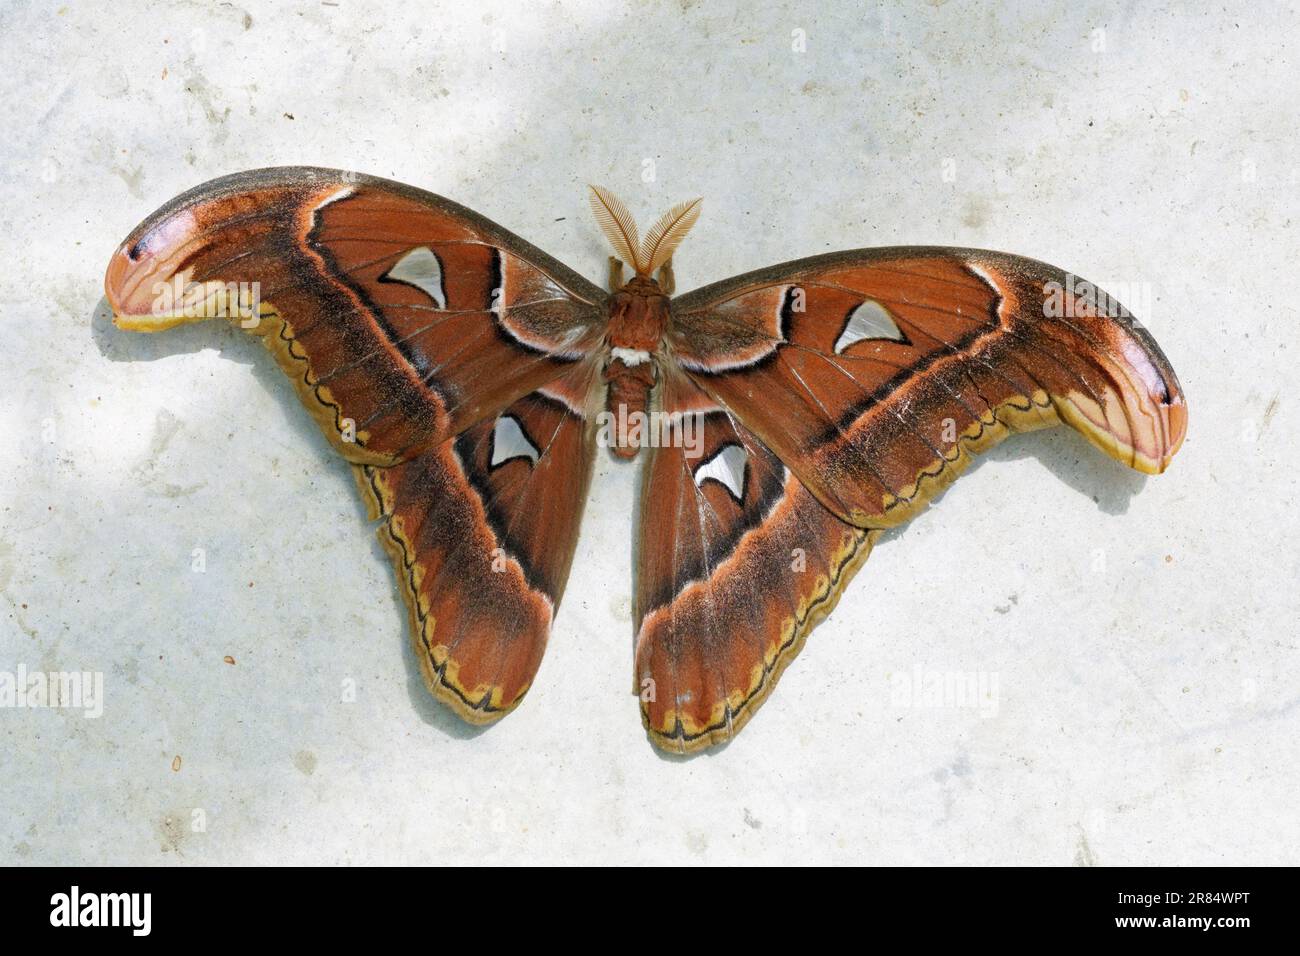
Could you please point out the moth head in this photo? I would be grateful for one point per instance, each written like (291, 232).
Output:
(645, 256)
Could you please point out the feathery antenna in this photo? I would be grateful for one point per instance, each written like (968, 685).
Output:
(667, 234)
(644, 256)
(617, 224)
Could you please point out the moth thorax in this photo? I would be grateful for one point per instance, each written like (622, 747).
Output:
(638, 316)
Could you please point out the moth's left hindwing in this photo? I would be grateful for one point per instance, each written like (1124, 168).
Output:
(449, 361)
(481, 532)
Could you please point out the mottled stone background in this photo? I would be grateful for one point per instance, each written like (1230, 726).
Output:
(1136, 638)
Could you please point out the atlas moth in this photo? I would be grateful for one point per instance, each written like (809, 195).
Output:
(798, 411)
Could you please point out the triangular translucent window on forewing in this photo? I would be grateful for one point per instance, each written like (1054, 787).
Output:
(870, 320)
(420, 268)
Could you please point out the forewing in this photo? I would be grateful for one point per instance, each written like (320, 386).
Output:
(401, 317)
(875, 375)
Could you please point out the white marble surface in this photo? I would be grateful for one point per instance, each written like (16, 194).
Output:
(1141, 633)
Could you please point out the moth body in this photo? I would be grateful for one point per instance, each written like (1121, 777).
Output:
(638, 318)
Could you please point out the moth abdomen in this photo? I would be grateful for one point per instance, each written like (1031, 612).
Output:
(627, 402)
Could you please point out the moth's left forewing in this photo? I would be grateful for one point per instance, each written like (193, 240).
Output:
(401, 317)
